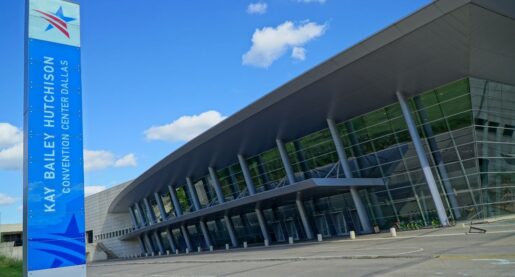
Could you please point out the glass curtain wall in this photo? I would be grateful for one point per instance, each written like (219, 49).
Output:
(467, 129)
(494, 125)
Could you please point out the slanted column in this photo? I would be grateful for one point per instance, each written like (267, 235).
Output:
(150, 212)
(205, 233)
(186, 237)
(262, 225)
(417, 142)
(304, 218)
(148, 243)
(160, 205)
(142, 218)
(142, 244)
(230, 229)
(157, 237)
(175, 201)
(437, 156)
(246, 174)
(286, 161)
(193, 194)
(216, 185)
(133, 218)
(171, 241)
(360, 207)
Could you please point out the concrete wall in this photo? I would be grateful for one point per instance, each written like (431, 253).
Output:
(110, 225)
(7, 249)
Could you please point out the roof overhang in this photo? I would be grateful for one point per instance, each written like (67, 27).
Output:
(303, 190)
(442, 42)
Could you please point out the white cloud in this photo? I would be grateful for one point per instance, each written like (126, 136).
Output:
(89, 190)
(6, 199)
(11, 147)
(9, 135)
(12, 158)
(185, 127)
(257, 8)
(311, 1)
(127, 160)
(269, 43)
(298, 53)
(101, 159)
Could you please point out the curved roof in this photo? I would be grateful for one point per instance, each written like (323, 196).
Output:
(442, 42)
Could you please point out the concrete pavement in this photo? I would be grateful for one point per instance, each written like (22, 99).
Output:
(429, 252)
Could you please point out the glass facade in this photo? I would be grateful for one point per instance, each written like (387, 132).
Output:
(467, 130)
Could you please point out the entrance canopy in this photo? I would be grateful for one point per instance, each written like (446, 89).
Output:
(315, 187)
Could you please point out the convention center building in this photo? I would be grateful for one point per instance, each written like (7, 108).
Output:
(412, 127)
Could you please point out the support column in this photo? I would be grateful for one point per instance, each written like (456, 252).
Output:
(262, 225)
(246, 174)
(437, 156)
(157, 237)
(142, 218)
(150, 212)
(193, 194)
(286, 161)
(160, 205)
(148, 243)
(133, 218)
(360, 208)
(186, 237)
(205, 233)
(142, 244)
(175, 201)
(171, 241)
(230, 229)
(304, 218)
(412, 128)
(216, 185)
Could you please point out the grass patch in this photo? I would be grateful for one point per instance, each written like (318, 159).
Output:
(10, 267)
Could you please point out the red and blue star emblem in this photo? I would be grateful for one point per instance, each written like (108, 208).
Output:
(57, 20)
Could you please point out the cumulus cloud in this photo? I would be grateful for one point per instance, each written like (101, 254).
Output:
(311, 1)
(9, 135)
(11, 147)
(257, 8)
(6, 199)
(89, 190)
(298, 53)
(185, 127)
(270, 43)
(127, 160)
(101, 159)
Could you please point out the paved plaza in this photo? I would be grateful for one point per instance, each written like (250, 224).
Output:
(430, 252)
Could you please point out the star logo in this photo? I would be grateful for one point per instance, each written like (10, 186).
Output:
(57, 20)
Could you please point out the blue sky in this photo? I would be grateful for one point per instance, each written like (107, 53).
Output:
(156, 73)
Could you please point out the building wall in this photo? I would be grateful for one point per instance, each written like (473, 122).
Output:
(107, 227)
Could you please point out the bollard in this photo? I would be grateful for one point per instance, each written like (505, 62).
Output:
(199, 249)
(167, 252)
(152, 254)
(176, 251)
(211, 248)
(146, 254)
(377, 230)
(159, 253)
(267, 243)
(226, 246)
(352, 235)
(187, 250)
(393, 232)
(244, 244)
(319, 237)
(290, 240)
